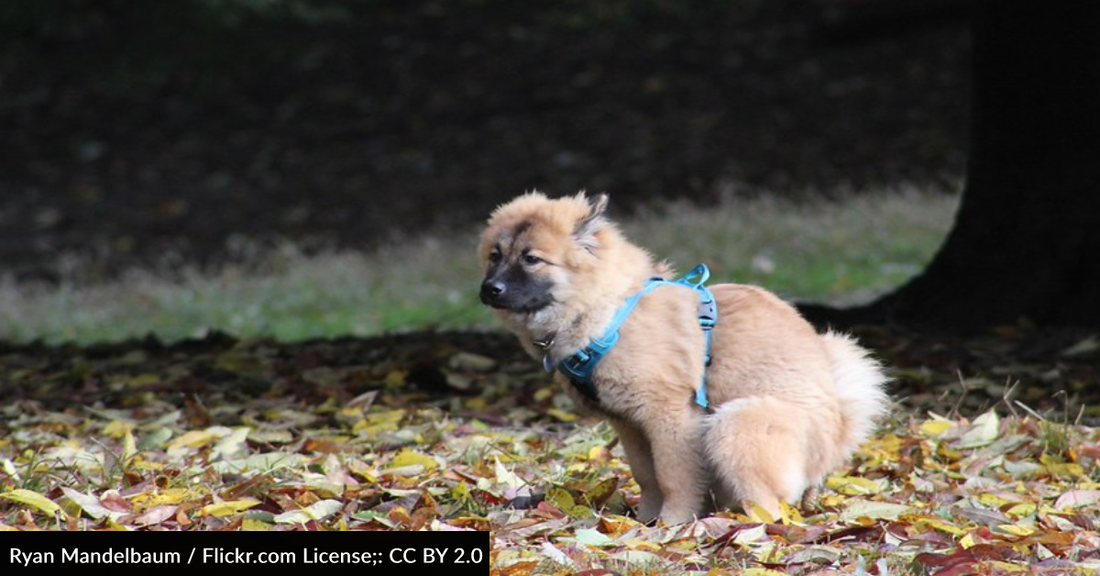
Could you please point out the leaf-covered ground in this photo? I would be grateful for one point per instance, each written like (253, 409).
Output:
(983, 468)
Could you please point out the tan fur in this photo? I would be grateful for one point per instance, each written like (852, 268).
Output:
(790, 405)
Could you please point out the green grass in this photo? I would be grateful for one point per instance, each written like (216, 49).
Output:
(840, 251)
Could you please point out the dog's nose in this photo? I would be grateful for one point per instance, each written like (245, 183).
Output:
(492, 290)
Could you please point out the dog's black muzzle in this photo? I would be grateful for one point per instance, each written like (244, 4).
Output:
(493, 292)
(512, 289)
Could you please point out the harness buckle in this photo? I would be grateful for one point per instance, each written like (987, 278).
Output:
(708, 314)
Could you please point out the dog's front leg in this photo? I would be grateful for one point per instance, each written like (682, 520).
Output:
(675, 438)
(640, 457)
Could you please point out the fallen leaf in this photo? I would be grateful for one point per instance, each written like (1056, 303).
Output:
(317, 511)
(592, 537)
(936, 426)
(155, 515)
(198, 438)
(88, 504)
(1077, 499)
(855, 509)
(982, 432)
(32, 499)
(410, 462)
(1083, 347)
(856, 485)
(229, 507)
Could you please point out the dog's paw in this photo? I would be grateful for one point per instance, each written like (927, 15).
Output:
(648, 511)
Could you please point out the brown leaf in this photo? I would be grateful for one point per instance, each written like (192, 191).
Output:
(156, 515)
(1077, 499)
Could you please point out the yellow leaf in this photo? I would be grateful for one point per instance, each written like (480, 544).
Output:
(1016, 529)
(369, 475)
(140, 464)
(478, 403)
(545, 393)
(886, 448)
(229, 507)
(383, 421)
(198, 438)
(599, 493)
(993, 501)
(32, 499)
(935, 427)
(946, 453)
(165, 497)
(789, 514)
(757, 513)
(566, 503)
(598, 453)
(1022, 509)
(129, 446)
(396, 378)
(250, 525)
(350, 415)
(562, 415)
(937, 524)
(411, 458)
(117, 428)
(855, 485)
(967, 541)
(1066, 469)
(1006, 566)
(116, 527)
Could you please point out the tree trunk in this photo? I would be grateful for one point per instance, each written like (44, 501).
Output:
(1026, 240)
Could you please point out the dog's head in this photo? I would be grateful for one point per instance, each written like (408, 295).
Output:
(534, 247)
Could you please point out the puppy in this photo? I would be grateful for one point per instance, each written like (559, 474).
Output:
(757, 406)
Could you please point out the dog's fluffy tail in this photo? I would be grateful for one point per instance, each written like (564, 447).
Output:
(859, 381)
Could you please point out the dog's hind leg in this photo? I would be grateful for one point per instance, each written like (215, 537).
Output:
(756, 448)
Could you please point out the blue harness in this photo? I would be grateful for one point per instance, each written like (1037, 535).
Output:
(580, 366)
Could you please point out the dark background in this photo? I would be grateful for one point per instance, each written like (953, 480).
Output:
(154, 133)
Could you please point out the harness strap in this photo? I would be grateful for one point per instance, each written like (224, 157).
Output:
(580, 366)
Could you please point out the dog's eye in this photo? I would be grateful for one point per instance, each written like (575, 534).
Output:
(494, 256)
(531, 259)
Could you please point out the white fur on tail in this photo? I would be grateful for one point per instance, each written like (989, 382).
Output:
(859, 381)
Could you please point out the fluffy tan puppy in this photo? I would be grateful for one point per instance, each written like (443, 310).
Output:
(787, 406)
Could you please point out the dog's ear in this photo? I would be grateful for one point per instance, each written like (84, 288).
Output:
(597, 205)
(585, 231)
